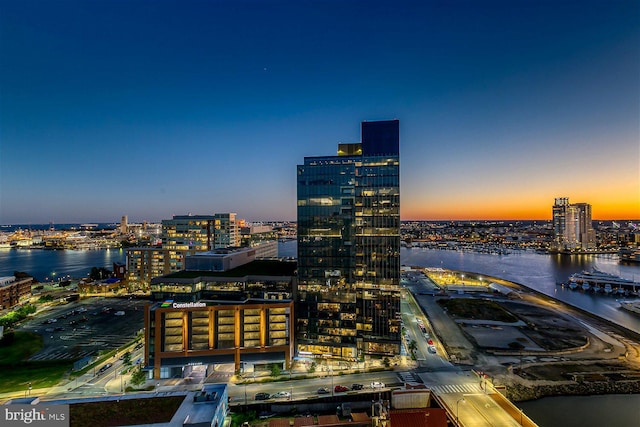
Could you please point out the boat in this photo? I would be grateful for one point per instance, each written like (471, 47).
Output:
(599, 281)
(632, 306)
(630, 255)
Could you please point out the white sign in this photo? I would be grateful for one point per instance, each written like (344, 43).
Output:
(188, 304)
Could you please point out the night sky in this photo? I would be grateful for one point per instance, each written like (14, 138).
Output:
(159, 108)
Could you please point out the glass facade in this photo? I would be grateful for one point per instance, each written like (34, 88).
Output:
(348, 300)
(572, 226)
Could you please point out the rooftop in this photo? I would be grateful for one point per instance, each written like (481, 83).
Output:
(254, 268)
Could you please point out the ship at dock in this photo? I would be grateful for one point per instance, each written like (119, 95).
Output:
(630, 255)
(601, 282)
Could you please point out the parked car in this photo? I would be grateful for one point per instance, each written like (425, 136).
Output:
(432, 349)
(430, 342)
(262, 396)
(281, 394)
(340, 389)
(357, 386)
(323, 390)
(377, 384)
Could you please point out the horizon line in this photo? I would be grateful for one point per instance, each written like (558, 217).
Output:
(288, 220)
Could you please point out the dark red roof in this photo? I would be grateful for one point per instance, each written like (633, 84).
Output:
(429, 417)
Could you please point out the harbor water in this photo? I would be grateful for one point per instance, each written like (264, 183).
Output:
(613, 410)
(47, 265)
(541, 272)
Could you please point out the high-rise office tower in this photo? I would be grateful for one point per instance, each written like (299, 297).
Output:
(124, 226)
(348, 298)
(572, 226)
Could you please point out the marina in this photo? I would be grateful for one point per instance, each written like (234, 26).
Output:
(601, 282)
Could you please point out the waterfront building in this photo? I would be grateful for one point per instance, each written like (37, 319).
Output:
(572, 226)
(227, 232)
(348, 298)
(14, 291)
(255, 234)
(225, 307)
(188, 233)
(145, 263)
(181, 236)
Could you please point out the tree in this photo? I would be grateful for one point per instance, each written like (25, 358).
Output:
(275, 370)
(138, 377)
(413, 346)
(312, 367)
(386, 362)
(127, 358)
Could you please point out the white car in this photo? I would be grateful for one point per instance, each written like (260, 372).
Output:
(377, 384)
(281, 394)
(432, 349)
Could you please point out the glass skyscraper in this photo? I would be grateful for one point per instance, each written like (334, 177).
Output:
(348, 297)
(572, 226)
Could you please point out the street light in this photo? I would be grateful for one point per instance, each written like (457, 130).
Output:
(457, 407)
(331, 372)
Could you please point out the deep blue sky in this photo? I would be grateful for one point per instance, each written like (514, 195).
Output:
(156, 108)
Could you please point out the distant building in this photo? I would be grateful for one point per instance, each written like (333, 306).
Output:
(14, 291)
(572, 226)
(124, 226)
(227, 232)
(185, 235)
(145, 263)
(227, 275)
(348, 302)
(253, 234)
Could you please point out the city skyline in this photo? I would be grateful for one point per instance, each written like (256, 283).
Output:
(112, 108)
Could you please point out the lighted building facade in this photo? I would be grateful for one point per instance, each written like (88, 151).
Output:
(572, 226)
(180, 336)
(226, 232)
(261, 279)
(14, 291)
(227, 307)
(181, 236)
(348, 299)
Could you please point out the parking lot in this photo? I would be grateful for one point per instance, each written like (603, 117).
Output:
(83, 328)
